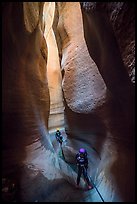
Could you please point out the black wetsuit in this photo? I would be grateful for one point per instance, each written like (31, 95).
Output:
(59, 137)
(82, 163)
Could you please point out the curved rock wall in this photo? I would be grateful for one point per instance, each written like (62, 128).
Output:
(125, 32)
(101, 128)
(28, 157)
(83, 86)
(25, 89)
(56, 117)
(94, 85)
(121, 16)
(105, 51)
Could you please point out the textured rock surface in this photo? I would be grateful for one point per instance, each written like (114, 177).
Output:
(25, 107)
(103, 48)
(106, 126)
(83, 86)
(122, 18)
(27, 150)
(30, 154)
(108, 140)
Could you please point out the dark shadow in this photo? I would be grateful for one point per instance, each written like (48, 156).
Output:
(38, 188)
(123, 168)
(103, 48)
(22, 119)
(12, 121)
(88, 128)
(123, 138)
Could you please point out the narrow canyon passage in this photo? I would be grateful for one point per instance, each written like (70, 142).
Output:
(68, 65)
(56, 115)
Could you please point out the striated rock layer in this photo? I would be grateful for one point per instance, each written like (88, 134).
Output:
(25, 90)
(121, 16)
(83, 86)
(28, 156)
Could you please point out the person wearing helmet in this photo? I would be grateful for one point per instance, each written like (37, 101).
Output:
(60, 140)
(59, 136)
(82, 164)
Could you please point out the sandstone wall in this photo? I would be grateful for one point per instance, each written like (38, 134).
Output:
(25, 90)
(121, 16)
(101, 118)
(95, 85)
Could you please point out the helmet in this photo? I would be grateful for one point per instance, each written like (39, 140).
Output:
(82, 151)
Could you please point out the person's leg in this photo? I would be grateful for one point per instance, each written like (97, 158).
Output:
(79, 175)
(86, 178)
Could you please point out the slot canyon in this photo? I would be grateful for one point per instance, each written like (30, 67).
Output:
(68, 66)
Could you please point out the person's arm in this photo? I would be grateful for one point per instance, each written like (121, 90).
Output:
(57, 137)
(77, 159)
(86, 163)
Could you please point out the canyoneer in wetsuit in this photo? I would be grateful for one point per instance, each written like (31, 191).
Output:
(59, 137)
(82, 164)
